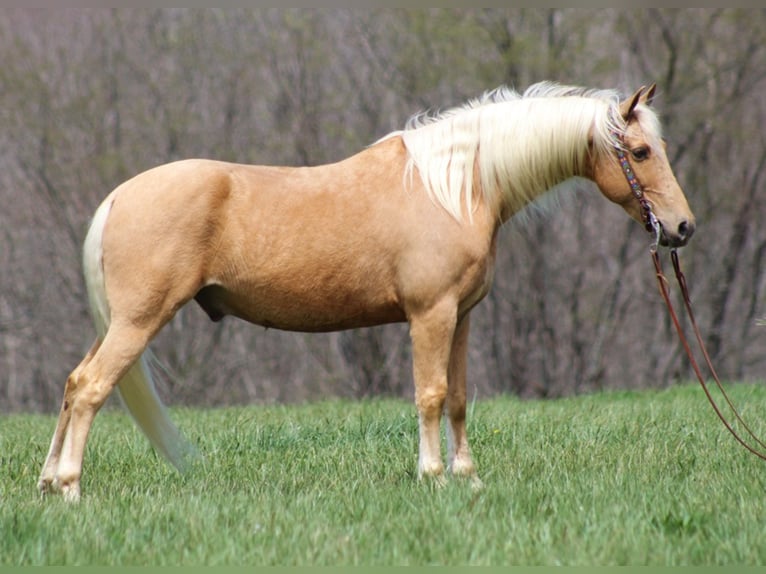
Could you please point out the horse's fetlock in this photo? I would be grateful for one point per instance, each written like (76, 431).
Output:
(45, 486)
(432, 468)
(65, 477)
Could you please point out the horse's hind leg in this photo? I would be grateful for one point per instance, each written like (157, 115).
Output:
(89, 386)
(48, 473)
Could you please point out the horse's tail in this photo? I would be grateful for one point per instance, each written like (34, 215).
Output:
(137, 389)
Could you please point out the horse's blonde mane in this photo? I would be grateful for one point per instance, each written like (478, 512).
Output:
(519, 145)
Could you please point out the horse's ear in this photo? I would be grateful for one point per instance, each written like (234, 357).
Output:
(648, 95)
(627, 106)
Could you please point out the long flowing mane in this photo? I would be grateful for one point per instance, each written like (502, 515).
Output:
(519, 145)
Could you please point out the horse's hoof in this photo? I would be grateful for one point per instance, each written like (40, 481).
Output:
(476, 483)
(71, 492)
(435, 480)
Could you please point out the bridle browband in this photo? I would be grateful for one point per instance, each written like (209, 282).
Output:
(652, 225)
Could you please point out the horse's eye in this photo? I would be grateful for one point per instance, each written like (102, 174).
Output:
(640, 153)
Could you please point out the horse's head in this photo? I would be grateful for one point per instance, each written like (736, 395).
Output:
(644, 149)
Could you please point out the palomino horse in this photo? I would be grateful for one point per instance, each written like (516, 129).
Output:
(405, 230)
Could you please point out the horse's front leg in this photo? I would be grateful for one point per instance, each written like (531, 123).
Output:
(459, 461)
(432, 333)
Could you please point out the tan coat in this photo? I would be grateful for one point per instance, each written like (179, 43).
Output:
(351, 244)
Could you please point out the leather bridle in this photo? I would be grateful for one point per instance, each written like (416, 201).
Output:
(651, 223)
(653, 226)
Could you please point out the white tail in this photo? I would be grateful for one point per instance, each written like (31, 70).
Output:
(136, 388)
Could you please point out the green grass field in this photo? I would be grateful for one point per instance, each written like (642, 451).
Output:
(612, 478)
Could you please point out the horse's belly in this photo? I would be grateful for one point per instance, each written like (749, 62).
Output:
(297, 310)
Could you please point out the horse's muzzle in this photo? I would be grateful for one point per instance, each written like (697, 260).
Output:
(679, 237)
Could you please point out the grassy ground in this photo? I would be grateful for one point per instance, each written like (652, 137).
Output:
(614, 478)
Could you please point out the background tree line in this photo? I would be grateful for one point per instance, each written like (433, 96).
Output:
(89, 98)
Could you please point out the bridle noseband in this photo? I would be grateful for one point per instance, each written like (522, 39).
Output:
(652, 225)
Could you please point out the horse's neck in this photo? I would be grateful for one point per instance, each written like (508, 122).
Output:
(509, 200)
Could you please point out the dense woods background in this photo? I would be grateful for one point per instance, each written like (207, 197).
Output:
(89, 98)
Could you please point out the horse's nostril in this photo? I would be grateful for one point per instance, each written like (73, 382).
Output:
(685, 229)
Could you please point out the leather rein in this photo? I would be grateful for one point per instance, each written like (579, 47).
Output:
(653, 226)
